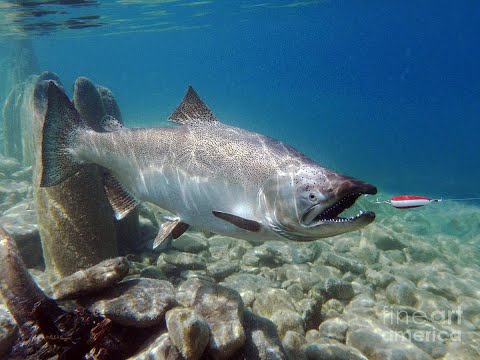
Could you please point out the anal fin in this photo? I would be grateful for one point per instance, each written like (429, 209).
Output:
(120, 199)
(242, 223)
(171, 226)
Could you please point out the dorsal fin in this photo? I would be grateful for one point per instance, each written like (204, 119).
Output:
(192, 110)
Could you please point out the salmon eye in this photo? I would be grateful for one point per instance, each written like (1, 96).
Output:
(312, 197)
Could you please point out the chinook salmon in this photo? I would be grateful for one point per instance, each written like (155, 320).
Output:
(215, 177)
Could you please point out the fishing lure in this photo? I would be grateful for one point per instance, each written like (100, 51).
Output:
(414, 201)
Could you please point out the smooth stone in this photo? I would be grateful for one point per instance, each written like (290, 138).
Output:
(457, 350)
(222, 308)
(137, 302)
(158, 348)
(20, 221)
(343, 263)
(339, 289)
(96, 278)
(305, 278)
(188, 331)
(152, 272)
(9, 165)
(385, 239)
(345, 244)
(421, 252)
(286, 319)
(292, 343)
(221, 269)
(311, 311)
(278, 252)
(470, 308)
(185, 261)
(378, 279)
(190, 242)
(449, 285)
(332, 308)
(262, 341)
(395, 255)
(8, 332)
(401, 294)
(246, 282)
(378, 343)
(296, 292)
(421, 333)
(320, 351)
(368, 254)
(334, 328)
(268, 301)
(429, 303)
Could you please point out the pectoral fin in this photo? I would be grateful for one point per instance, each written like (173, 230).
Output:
(242, 223)
(120, 199)
(173, 226)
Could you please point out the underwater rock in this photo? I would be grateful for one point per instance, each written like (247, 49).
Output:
(292, 343)
(334, 328)
(152, 272)
(384, 239)
(459, 350)
(8, 332)
(109, 103)
(278, 306)
(401, 294)
(343, 263)
(262, 341)
(93, 103)
(12, 123)
(88, 102)
(322, 351)
(286, 319)
(332, 308)
(379, 279)
(20, 222)
(368, 254)
(190, 242)
(303, 276)
(449, 285)
(136, 302)
(9, 165)
(158, 348)
(184, 261)
(93, 279)
(269, 301)
(75, 219)
(242, 282)
(222, 308)
(311, 311)
(188, 331)
(278, 252)
(377, 343)
(339, 289)
(19, 65)
(18, 289)
(221, 269)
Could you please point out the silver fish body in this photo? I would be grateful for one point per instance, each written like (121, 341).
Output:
(209, 175)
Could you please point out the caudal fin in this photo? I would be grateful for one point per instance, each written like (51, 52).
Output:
(62, 122)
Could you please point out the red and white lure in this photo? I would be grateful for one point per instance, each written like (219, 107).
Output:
(413, 201)
(410, 201)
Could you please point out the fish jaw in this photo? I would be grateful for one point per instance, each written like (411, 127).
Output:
(307, 205)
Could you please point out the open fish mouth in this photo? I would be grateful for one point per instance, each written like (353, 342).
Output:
(315, 216)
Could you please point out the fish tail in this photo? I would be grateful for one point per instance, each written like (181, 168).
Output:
(62, 124)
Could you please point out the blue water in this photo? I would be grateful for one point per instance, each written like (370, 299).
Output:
(386, 91)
